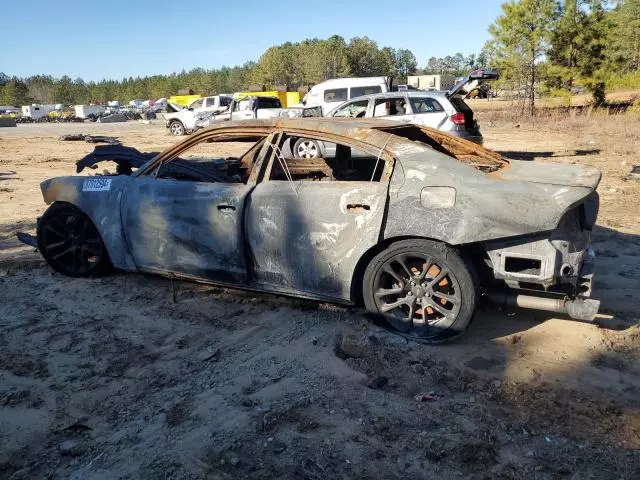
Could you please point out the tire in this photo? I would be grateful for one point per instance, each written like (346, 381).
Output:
(71, 243)
(306, 148)
(177, 128)
(437, 306)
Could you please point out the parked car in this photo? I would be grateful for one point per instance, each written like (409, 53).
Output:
(183, 120)
(446, 111)
(413, 228)
(331, 93)
(255, 107)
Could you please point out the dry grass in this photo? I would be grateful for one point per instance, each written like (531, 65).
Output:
(581, 100)
(615, 133)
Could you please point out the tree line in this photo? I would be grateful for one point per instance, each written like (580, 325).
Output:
(550, 46)
(555, 46)
(289, 66)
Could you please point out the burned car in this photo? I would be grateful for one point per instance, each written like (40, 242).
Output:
(415, 227)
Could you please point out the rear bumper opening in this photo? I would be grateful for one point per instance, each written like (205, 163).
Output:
(577, 306)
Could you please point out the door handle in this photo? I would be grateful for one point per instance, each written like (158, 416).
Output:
(357, 207)
(226, 207)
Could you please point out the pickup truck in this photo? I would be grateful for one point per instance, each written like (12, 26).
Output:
(255, 107)
(183, 120)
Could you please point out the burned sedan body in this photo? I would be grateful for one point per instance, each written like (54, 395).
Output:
(406, 220)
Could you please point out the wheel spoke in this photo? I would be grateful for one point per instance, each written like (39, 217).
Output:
(425, 322)
(53, 246)
(63, 253)
(438, 308)
(401, 261)
(383, 292)
(438, 278)
(385, 307)
(412, 310)
(391, 272)
(53, 230)
(455, 298)
(425, 268)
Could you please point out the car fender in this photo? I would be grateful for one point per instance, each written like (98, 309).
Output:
(99, 198)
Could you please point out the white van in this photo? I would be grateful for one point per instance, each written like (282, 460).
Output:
(331, 93)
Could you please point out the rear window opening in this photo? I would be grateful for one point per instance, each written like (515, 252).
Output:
(472, 154)
(523, 266)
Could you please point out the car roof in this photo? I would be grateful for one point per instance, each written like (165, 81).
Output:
(377, 133)
(339, 126)
(351, 82)
(409, 93)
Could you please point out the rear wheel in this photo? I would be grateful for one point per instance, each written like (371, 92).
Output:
(422, 288)
(176, 128)
(306, 148)
(70, 242)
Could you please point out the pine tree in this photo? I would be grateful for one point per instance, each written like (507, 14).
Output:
(625, 42)
(520, 38)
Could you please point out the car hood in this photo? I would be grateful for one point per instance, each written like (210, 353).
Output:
(552, 174)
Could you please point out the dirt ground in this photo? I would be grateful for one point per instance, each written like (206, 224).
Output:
(134, 376)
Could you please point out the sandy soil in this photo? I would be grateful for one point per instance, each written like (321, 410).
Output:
(133, 376)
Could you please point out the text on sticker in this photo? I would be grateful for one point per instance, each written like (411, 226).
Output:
(97, 185)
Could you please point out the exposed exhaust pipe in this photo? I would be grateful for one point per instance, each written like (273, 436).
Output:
(584, 309)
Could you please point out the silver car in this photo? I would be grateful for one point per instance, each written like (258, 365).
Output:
(444, 111)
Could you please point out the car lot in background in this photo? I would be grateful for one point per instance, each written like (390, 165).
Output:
(429, 109)
(446, 111)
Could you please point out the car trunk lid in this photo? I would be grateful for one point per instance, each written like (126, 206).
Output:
(556, 174)
(472, 81)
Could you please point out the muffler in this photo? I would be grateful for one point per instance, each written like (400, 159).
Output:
(584, 309)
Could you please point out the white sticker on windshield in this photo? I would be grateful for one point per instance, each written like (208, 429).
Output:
(97, 185)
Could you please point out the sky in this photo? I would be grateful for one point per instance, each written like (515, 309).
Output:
(95, 39)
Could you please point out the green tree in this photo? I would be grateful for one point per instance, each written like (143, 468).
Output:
(592, 65)
(367, 60)
(405, 64)
(520, 38)
(63, 92)
(14, 92)
(625, 40)
(336, 58)
(278, 67)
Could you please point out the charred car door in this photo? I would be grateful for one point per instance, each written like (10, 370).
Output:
(309, 221)
(191, 223)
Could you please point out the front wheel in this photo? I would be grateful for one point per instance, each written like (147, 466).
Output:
(70, 242)
(306, 148)
(423, 289)
(177, 128)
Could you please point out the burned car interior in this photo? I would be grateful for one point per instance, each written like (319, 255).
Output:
(346, 164)
(206, 166)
